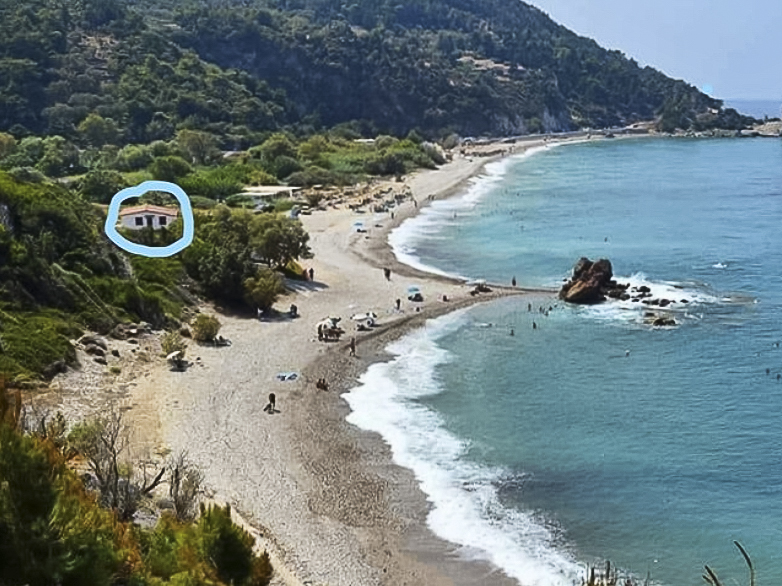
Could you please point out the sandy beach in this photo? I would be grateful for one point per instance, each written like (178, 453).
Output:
(323, 497)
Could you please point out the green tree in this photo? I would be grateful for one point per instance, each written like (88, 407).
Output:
(263, 290)
(229, 547)
(102, 184)
(277, 145)
(97, 130)
(200, 147)
(60, 157)
(133, 157)
(170, 168)
(278, 241)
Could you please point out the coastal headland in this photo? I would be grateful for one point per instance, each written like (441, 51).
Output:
(322, 496)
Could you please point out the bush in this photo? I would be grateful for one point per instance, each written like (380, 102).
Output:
(202, 203)
(27, 174)
(172, 342)
(170, 168)
(240, 201)
(205, 328)
(284, 166)
(133, 157)
(230, 548)
(311, 176)
(263, 289)
(101, 185)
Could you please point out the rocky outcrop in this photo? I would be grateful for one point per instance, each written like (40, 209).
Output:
(592, 282)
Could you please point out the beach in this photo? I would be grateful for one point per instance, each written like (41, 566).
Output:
(323, 497)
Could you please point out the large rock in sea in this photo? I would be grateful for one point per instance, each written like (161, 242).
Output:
(592, 282)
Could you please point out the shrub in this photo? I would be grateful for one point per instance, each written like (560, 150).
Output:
(202, 203)
(230, 548)
(263, 289)
(205, 328)
(133, 157)
(311, 176)
(284, 166)
(239, 201)
(102, 185)
(170, 168)
(172, 342)
(27, 174)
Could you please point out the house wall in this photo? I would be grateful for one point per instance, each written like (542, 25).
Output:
(129, 221)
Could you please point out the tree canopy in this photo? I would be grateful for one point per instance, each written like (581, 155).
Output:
(106, 71)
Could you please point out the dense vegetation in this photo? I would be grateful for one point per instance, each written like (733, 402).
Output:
(54, 531)
(115, 71)
(59, 274)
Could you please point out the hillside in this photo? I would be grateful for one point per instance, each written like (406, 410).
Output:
(243, 68)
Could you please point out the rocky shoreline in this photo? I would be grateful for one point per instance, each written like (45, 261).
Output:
(593, 282)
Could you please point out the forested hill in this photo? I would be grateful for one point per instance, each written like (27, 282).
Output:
(242, 67)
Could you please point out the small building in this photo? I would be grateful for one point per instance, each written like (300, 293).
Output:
(147, 216)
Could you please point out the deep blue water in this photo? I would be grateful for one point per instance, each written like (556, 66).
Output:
(756, 108)
(556, 446)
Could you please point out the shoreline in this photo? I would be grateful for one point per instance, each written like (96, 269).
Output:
(325, 498)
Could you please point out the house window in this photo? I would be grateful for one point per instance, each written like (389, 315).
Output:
(162, 220)
(139, 221)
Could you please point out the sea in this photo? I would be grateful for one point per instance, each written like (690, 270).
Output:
(756, 108)
(591, 435)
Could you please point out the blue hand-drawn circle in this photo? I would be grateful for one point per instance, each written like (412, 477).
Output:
(152, 251)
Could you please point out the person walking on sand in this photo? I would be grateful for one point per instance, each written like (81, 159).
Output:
(398, 303)
(353, 346)
(312, 274)
(387, 273)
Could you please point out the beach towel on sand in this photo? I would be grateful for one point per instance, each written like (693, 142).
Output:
(287, 376)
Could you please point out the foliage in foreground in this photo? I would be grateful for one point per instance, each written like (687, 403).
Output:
(53, 531)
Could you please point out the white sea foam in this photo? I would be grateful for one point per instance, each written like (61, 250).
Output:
(466, 508)
(685, 298)
(407, 237)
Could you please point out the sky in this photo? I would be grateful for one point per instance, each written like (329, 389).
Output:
(732, 48)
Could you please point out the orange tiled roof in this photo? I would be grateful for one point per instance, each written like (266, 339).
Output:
(160, 210)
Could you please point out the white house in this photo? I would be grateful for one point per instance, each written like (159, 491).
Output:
(147, 216)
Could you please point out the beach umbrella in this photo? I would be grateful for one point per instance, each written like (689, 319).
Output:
(412, 290)
(173, 355)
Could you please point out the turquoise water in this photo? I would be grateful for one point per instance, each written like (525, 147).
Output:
(595, 436)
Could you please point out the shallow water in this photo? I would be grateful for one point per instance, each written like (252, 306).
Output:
(594, 436)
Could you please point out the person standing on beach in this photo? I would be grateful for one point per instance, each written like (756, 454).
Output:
(312, 274)
(398, 303)
(271, 407)
(387, 273)
(353, 346)
(513, 281)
